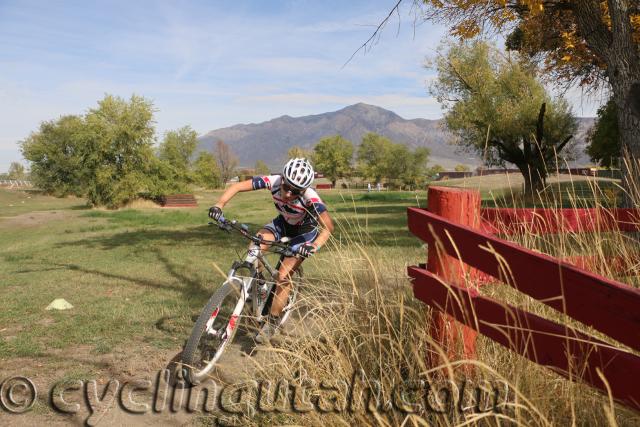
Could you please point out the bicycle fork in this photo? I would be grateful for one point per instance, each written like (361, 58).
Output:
(243, 284)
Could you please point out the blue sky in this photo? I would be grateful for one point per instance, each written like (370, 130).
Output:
(210, 64)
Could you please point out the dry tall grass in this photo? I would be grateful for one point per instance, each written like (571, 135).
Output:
(363, 320)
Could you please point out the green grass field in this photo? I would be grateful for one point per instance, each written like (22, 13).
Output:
(128, 271)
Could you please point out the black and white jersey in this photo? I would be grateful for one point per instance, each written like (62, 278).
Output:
(302, 210)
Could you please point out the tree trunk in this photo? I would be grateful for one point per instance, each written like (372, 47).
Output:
(533, 179)
(618, 50)
(629, 128)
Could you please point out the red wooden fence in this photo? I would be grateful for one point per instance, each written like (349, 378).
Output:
(324, 186)
(610, 307)
(515, 221)
(552, 221)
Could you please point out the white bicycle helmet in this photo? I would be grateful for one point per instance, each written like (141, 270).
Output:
(298, 173)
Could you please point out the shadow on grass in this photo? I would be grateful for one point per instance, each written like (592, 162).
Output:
(193, 289)
(80, 208)
(203, 235)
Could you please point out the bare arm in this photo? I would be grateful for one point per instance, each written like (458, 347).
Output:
(238, 187)
(327, 229)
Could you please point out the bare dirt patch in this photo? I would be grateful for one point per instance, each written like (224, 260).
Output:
(242, 361)
(142, 204)
(34, 219)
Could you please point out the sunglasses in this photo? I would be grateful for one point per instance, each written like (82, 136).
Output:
(289, 189)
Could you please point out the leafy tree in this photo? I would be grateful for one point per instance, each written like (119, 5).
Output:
(120, 156)
(160, 179)
(227, 160)
(461, 168)
(177, 150)
(434, 170)
(379, 157)
(206, 171)
(497, 107)
(105, 155)
(604, 138)
(261, 168)
(332, 156)
(16, 171)
(588, 41)
(407, 167)
(373, 156)
(56, 153)
(298, 152)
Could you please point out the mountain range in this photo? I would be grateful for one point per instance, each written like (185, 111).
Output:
(269, 141)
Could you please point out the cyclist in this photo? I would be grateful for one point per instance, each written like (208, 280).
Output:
(301, 213)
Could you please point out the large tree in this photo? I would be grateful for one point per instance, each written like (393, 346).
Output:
(298, 152)
(588, 41)
(56, 153)
(379, 157)
(496, 106)
(407, 167)
(119, 155)
(373, 156)
(332, 156)
(206, 170)
(227, 160)
(177, 150)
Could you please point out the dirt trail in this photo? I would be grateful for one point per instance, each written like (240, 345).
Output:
(33, 219)
(241, 362)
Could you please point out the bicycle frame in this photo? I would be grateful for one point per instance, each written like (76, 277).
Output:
(250, 287)
(249, 284)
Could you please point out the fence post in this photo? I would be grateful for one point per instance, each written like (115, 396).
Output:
(463, 207)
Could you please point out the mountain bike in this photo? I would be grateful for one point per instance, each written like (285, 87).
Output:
(246, 293)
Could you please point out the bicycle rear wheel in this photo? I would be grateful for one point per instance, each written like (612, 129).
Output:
(213, 331)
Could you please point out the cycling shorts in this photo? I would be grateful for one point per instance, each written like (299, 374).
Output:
(298, 235)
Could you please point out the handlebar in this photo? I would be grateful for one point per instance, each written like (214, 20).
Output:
(243, 229)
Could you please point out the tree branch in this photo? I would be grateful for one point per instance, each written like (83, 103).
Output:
(459, 76)
(512, 156)
(563, 143)
(375, 33)
(540, 124)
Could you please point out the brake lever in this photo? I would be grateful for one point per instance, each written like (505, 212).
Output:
(223, 226)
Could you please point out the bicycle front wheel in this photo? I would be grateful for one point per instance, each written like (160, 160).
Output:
(213, 331)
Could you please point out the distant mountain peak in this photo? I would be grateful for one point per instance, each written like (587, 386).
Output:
(363, 106)
(371, 112)
(269, 141)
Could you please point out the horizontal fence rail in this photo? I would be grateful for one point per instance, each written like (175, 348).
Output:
(566, 351)
(606, 305)
(541, 221)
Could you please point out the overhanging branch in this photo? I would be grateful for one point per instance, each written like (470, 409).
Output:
(375, 33)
